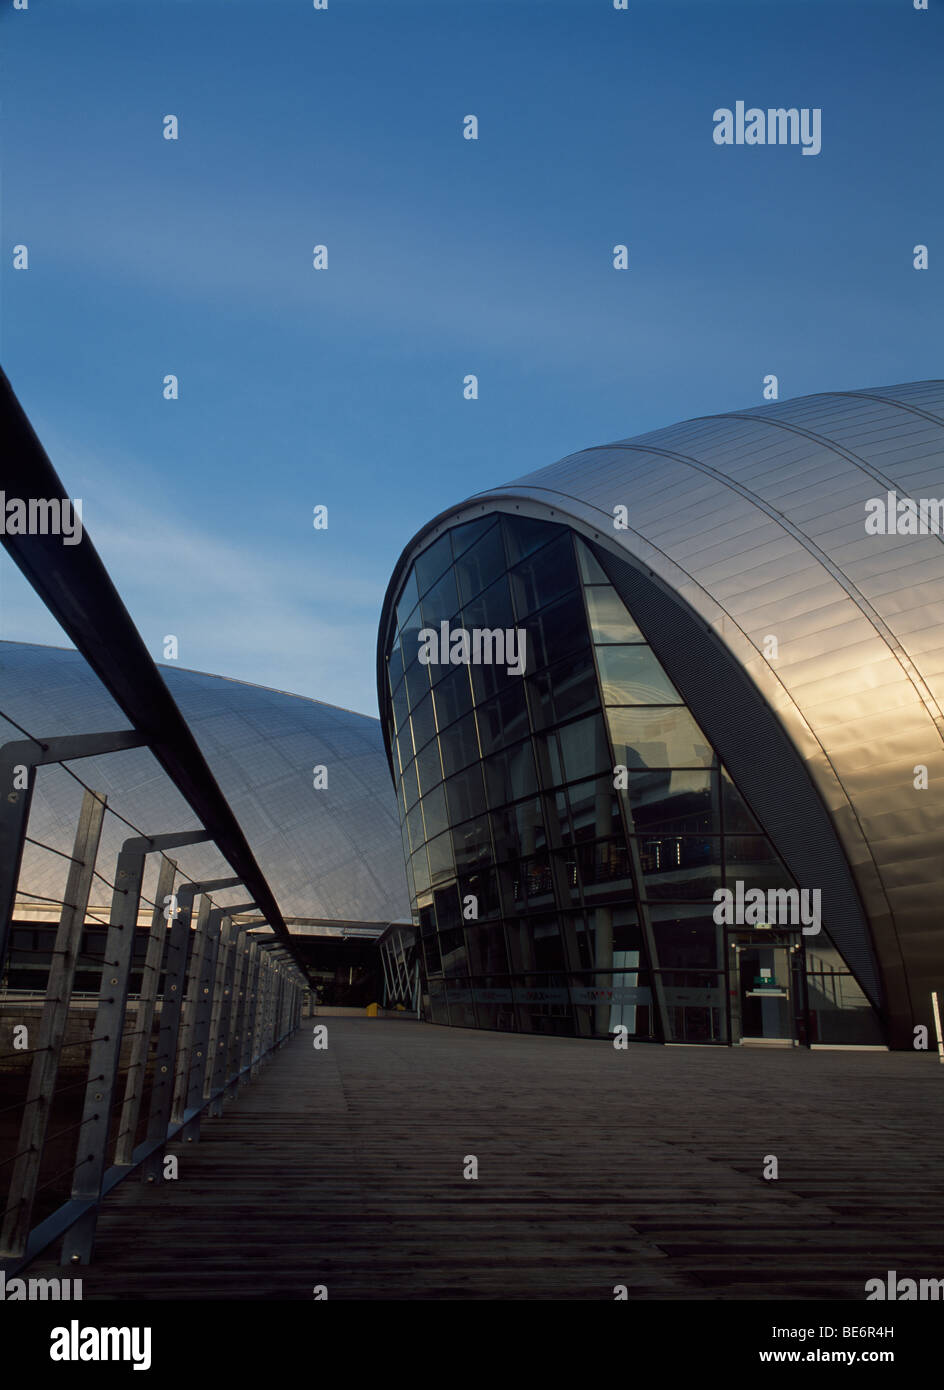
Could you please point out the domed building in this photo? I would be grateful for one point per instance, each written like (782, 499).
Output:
(665, 725)
(307, 782)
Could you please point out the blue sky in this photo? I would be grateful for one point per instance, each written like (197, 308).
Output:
(446, 257)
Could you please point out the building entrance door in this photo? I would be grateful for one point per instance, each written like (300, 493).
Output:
(761, 991)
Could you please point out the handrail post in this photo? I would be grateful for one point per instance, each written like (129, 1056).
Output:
(45, 1066)
(106, 1049)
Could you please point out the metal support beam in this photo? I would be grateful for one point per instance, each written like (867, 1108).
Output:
(147, 1000)
(45, 1067)
(175, 973)
(30, 754)
(91, 1150)
(202, 1020)
(223, 1017)
(189, 1012)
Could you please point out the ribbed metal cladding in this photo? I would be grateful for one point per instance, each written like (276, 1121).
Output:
(754, 520)
(328, 853)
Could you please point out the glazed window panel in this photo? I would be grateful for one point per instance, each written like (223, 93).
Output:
(469, 532)
(401, 707)
(687, 938)
(434, 812)
(455, 958)
(460, 745)
(681, 802)
(644, 738)
(395, 663)
(420, 864)
(428, 767)
(471, 844)
(633, 676)
(407, 601)
(409, 637)
(680, 866)
(584, 748)
(491, 609)
(417, 683)
(592, 810)
(510, 775)
(481, 565)
(465, 795)
(441, 863)
(424, 722)
(524, 535)
(410, 785)
(566, 689)
(556, 632)
(430, 565)
(482, 885)
(588, 564)
(452, 696)
(605, 864)
(511, 887)
(503, 719)
(566, 876)
(519, 829)
(433, 957)
(609, 620)
(441, 604)
(487, 952)
(416, 826)
(446, 904)
(537, 879)
(545, 576)
(548, 945)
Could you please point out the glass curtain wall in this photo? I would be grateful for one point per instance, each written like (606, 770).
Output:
(564, 830)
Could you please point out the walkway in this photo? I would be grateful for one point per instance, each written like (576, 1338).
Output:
(596, 1167)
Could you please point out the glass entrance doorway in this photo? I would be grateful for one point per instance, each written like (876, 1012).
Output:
(761, 989)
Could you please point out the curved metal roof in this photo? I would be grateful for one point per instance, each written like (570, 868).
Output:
(755, 520)
(331, 853)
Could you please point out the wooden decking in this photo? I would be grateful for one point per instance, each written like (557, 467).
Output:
(597, 1167)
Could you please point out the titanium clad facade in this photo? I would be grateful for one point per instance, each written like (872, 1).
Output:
(330, 853)
(807, 652)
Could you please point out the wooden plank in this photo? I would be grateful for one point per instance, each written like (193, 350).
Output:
(344, 1167)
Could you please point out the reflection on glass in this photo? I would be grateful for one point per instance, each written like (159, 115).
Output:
(407, 600)
(529, 829)
(737, 817)
(428, 767)
(658, 738)
(680, 866)
(471, 844)
(545, 576)
(590, 571)
(632, 676)
(442, 602)
(480, 565)
(664, 802)
(424, 723)
(430, 565)
(609, 620)
(460, 745)
(584, 748)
